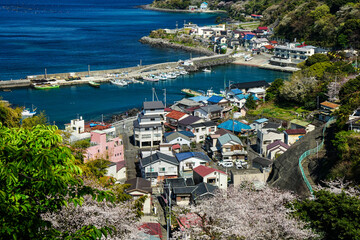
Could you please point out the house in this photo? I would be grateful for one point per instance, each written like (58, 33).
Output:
(355, 114)
(77, 130)
(257, 43)
(290, 56)
(267, 48)
(140, 187)
(174, 117)
(354, 124)
(105, 147)
(184, 104)
(190, 160)
(235, 126)
(211, 176)
(273, 150)
(267, 136)
(192, 8)
(178, 138)
(204, 6)
(201, 130)
(256, 16)
(200, 99)
(203, 191)
(326, 110)
(148, 128)
(263, 164)
(259, 123)
(158, 167)
(117, 170)
(209, 112)
(296, 123)
(240, 99)
(293, 135)
(184, 123)
(258, 93)
(244, 87)
(221, 101)
(231, 147)
(181, 189)
(254, 176)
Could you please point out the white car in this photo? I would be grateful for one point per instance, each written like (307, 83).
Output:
(226, 164)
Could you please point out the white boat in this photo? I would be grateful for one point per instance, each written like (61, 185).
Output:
(118, 82)
(206, 70)
(162, 77)
(171, 75)
(151, 78)
(183, 72)
(27, 113)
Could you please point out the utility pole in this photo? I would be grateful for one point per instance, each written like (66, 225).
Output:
(165, 96)
(89, 70)
(176, 26)
(153, 90)
(45, 74)
(169, 218)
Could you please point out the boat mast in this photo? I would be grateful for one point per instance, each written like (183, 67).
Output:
(45, 74)
(89, 70)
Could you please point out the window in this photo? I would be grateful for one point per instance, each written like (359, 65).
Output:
(151, 169)
(152, 119)
(162, 169)
(147, 129)
(107, 147)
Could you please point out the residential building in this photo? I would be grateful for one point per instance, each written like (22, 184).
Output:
(173, 118)
(235, 126)
(184, 104)
(326, 110)
(267, 136)
(354, 124)
(209, 112)
(140, 187)
(259, 123)
(296, 123)
(104, 147)
(291, 55)
(158, 167)
(184, 123)
(178, 138)
(254, 176)
(257, 92)
(117, 170)
(275, 149)
(211, 176)
(293, 135)
(190, 160)
(76, 128)
(148, 128)
(204, 6)
(245, 86)
(201, 130)
(231, 147)
(181, 189)
(263, 164)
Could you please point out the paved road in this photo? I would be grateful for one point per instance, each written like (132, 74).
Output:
(125, 128)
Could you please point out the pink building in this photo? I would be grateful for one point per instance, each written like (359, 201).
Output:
(106, 147)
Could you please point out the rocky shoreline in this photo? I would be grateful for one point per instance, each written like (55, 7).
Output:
(162, 43)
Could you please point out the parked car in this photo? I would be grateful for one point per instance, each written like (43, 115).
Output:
(226, 164)
(241, 164)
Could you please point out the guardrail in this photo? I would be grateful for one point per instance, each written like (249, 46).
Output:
(311, 152)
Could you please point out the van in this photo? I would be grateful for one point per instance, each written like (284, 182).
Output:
(226, 164)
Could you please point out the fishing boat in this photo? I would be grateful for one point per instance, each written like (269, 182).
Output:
(94, 84)
(183, 72)
(28, 113)
(171, 75)
(119, 82)
(191, 93)
(46, 85)
(151, 78)
(206, 70)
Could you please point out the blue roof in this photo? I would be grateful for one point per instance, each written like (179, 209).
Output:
(248, 36)
(261, 120)
(236, 91)
(238, 126)
(215, 99)
(187, 133)
(186, 155)
(246, 96)
(199, 98)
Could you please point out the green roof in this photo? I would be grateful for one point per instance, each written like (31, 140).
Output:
(299, 122)
(229, 137)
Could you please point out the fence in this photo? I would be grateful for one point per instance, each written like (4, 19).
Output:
(313, 151)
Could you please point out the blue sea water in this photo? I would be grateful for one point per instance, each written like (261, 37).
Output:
(68, 35)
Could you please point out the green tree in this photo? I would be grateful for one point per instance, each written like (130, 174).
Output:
(37, 176)
(95, 168)
(335, 215)
(273, 92)
(250, 102)
(316, 58)
(33, 121)
(9, 117)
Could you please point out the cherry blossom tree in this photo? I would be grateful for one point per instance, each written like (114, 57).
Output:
(121, 217)
(246, 213)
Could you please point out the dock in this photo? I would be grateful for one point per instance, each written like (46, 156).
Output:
(102, 76)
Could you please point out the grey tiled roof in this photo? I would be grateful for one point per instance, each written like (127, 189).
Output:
(153, 105)
(203, 189)
(157, 157)
(175, 135)
(139, 184)
(189, 120)
(203, 124)
(211, 108)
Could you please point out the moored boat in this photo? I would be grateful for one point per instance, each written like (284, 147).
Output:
(94, 84)
(206, 70)
(42, 86)
(191, 93)
(118, 82)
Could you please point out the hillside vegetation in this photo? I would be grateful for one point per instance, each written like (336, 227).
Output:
(329, 23)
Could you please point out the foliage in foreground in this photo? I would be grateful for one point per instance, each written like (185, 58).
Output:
(245, 213)
(335, 213)
(37, 176)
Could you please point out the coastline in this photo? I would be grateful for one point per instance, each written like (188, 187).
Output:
(149, 7)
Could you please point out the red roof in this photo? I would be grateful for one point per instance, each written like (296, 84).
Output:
(169, 125)
(263, 28)
(167, 109)
(274, 42)
(190, 219)
(175, 114)
(120, 165)
(204, 171)
(296, 131)
(269, 47)
(152, 229)
(176, 146)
